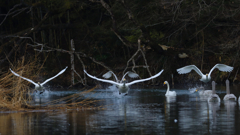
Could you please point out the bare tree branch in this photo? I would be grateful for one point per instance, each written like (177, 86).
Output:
(132, 59)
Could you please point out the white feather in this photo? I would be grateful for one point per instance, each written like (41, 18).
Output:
(169, 93)
(122, 86)
(207, 77)
(40, 84)
(133, 75)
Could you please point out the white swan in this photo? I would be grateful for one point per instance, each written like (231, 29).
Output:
(207, 77)
(203, 92)
(169, 93)
(229, 96)
(39, 86)
(122, 86)
(214, 97)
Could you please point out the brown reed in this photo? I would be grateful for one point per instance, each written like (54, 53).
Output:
(14, 90)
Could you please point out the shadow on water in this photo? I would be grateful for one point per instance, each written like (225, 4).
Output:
(142, 111)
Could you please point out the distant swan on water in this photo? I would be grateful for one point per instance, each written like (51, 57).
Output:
(169, 93)
(207, 77)
(202, 92)
(39, 86)
(229, 96)
(122, 86)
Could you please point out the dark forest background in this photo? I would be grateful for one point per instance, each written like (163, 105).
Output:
(143, 36)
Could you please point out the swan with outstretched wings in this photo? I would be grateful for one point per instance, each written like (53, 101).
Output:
(207, 77)
(39, 86)
(123, 86)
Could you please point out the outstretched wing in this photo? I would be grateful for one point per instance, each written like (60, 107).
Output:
(24, 78)
(130, 74)
(188, 69)
(109, 74)
(142, 80)
(102, 80)
(54, 76)
(221, 67)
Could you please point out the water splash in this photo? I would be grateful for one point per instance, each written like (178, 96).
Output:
(192, 90)
(115, 92)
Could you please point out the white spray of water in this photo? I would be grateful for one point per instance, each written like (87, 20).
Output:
(115, 92)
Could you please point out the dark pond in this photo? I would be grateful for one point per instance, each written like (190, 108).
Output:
(142, 111)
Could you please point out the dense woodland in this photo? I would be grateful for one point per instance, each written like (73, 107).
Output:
(143, 36)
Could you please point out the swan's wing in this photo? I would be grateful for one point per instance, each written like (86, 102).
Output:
(109, 74)
(102, 80)
(54, 76)
(132, 74)
(142, 80)
(188, 69)
(24, 78)
(221, 67)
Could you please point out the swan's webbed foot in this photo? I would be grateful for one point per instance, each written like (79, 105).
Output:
(119, 93)
(126, 94)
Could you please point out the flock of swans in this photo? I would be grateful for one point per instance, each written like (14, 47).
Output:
(123, 85)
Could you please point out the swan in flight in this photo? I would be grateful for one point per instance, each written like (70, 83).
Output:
(205, 78)
(123, 86)
(39, 86)
(229, 96)
(203, 92)
(214, 97)
(129, 73)
(169, 93)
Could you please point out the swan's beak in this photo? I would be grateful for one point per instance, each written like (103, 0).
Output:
(164, 83)
(206, 74)
(196, 90)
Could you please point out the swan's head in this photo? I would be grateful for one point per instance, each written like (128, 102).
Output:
(165, 82)
(124, 80)
(38, 83)
(199, 89)
(207, 75)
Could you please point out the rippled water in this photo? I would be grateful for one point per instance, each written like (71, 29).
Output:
(142, 111)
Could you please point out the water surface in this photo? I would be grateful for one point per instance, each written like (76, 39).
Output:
(142, 111)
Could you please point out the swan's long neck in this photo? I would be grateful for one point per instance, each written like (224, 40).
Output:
(227, 87)
(124, 84)
(213, 87)
(168, 87)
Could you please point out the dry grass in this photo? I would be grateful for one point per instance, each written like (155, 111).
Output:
(14, 92)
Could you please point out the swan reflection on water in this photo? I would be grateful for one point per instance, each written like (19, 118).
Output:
(170, 99)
